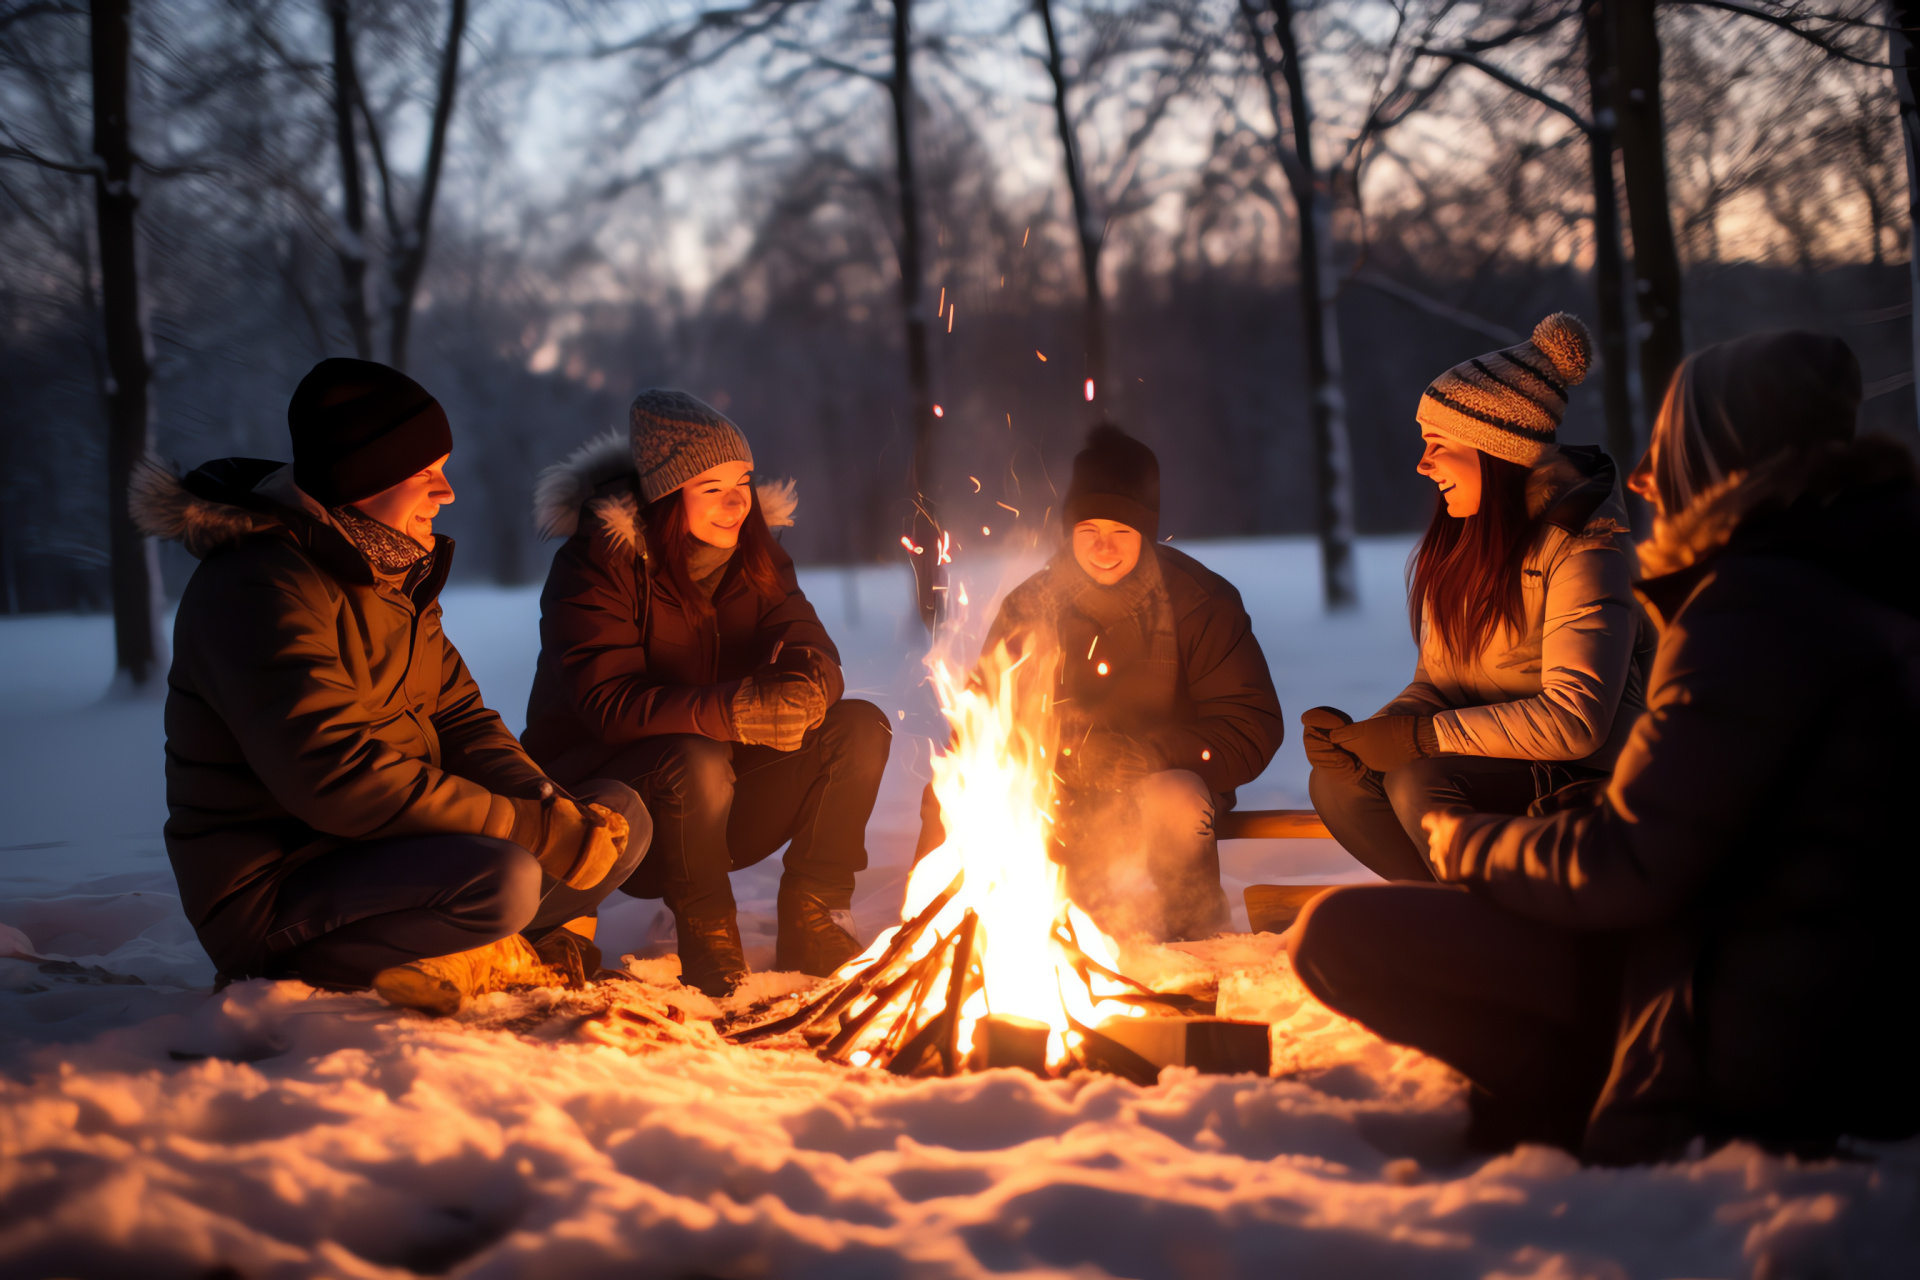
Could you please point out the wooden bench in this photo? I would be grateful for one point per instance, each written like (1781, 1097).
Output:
(1271, 908)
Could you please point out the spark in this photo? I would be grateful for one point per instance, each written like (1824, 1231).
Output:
(938, 412)
(1092, 647)
(963, 602)
(1101, 668)
(1206, 755)
(985, 532)
(976, 483)
(1024, 235)
(1089, 383)
(1009, 421)
(942, 308)
(907, 542)
(951, 310)
(1042, 355)
(944, 553)
(901, 714)
(1015, 510)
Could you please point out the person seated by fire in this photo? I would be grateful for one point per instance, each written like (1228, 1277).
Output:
(677, 652)
(344, 808)
(1707, 944)
(1156, 698)
(1520, 597)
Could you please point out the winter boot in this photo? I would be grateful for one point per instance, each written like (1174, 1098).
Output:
(711, 957)
(438, 985)
(816, 937)
(570, 954)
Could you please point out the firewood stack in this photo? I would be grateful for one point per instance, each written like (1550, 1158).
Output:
(904, 1014)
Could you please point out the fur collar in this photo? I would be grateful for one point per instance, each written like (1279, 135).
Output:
(1709, 522)
(163, 507)
(1551, 478)
(585, 481)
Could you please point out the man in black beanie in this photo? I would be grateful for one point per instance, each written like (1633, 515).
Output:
(343, 807)
(1160, 702)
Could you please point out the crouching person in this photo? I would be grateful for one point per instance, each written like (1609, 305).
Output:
(343, 807)
(1160, 702)
(1719, 944)
(677, 652)
(1521, 599)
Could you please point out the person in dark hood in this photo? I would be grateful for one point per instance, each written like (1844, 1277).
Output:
(1520, 598)
(1157, 701)
(678, 652)
(1714, 941)
(343, 806)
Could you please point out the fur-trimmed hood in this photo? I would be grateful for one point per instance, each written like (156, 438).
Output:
(587, 479)
(1695, 535)
(218, 505)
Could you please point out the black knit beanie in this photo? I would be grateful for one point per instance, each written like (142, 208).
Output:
(361, 427)
(1115, 478)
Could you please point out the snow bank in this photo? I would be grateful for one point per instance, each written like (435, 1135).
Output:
(150, 1127)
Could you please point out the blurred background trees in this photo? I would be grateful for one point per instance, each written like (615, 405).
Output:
(1257, 227)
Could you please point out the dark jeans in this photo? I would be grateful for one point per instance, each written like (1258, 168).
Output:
(1376, 816)
(1524, 1010)
(374, 904)
(720, 806)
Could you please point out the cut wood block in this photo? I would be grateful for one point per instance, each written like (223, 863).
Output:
(1272, 908)
(1003, 1040)
(1219, 1046)
(1271, 824)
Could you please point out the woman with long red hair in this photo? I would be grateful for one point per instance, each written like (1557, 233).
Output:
(678, 654)
(1520, 597)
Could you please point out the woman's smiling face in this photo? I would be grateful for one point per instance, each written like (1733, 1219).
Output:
(1455, 468)
(716, 502)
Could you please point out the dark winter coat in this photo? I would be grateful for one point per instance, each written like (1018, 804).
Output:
(310, 702)
(1755, 846)
(1212, 709)
(620, 658)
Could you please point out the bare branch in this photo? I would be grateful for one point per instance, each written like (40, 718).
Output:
(1512, 82)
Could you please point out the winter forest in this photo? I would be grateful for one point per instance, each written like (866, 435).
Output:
(916, 252)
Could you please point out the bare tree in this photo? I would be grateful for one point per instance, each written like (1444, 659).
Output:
(1088, 228)
(1906, 83)
(350, 246)
(925, 527)
(135, 558)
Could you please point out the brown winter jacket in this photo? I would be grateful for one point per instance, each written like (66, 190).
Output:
(1755, 845)
(1215, 714)
(310, 703)
(1568, 687)
(620, 660)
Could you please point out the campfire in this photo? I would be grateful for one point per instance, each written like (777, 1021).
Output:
(992, 963)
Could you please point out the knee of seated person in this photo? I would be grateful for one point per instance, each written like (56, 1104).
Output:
(861, 728)
(699, 769)
(1412, 783)
(1322, 939)
(626, 802)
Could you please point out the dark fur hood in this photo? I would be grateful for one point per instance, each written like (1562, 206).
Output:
(585, 480)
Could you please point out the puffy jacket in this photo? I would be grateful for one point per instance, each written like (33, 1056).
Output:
(1212, 711)
(1568, 687)
(310, 703)
(1755, 846)
(620, 659)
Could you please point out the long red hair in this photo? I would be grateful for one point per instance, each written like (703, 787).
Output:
(672, 541)
(1463, 580)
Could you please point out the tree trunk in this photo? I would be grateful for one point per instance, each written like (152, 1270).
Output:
(134, 559)
(1643, 157)
(1089, 228)
(1319, 297)
(351, 243)
(1906, 83)
(1609, 263)
(923, 527)
(409, 255)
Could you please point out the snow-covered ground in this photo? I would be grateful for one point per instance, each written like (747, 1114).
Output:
(148, 1127)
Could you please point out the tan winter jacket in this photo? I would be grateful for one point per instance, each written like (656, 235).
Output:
(1568, 687)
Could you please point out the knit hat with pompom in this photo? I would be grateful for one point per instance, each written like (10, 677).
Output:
(1509, 403)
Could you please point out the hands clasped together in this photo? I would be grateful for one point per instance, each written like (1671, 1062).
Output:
(576, 844)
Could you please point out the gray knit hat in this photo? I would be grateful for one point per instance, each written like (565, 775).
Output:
(677, 436)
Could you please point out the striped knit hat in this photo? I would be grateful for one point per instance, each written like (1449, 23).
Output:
(677, 436)
(1509, 403)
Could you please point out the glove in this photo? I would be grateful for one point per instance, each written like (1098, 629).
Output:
(576, 845)
(1321, 753)
(1388, 742)
(801, 661)
(776, 710)
(1103, 760)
